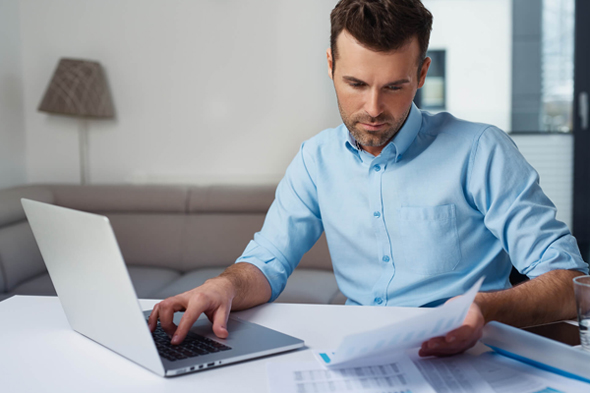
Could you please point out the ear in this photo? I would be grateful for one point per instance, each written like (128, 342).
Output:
(330, 63)
(424, 71)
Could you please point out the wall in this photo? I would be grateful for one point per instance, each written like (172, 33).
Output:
(552, 157)
(12, 130)
(477, 36)
(204, 90)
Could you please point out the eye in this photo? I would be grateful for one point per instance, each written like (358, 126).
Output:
(393, 88)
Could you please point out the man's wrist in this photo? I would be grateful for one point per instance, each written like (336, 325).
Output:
(482, 302)
(226, 284)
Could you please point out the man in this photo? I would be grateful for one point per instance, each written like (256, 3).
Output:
(415, 207)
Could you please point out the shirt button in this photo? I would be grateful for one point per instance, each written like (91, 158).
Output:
(386, 259)
(377, 168)
(378, 300)
(377, 214)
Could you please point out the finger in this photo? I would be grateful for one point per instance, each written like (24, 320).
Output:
(435, 342)
(186, 322)
(462, 333)
(220, 317)
(447, 350)
(432, 346)
(471, 329)
(439, 346)
(153, 319)
(166, 313)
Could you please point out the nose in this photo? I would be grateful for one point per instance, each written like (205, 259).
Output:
(374, 104)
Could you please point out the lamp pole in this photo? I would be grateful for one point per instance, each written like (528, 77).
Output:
(83, 140)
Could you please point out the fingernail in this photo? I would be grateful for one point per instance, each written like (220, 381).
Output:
(434, 345)
(175, 339)
(451, 339)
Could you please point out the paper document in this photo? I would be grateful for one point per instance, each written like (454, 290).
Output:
(451, 375)
(511, 376)
(399, 375)
(492, 373)
(408, 333)
(487, 373)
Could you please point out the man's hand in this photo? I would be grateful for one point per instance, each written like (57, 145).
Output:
(239, 287)
(214, 298)
(458, 340)
(546, 298)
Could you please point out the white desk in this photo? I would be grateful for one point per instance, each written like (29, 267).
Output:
(40, 353)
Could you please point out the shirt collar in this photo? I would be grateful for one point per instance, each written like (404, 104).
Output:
(402, 140)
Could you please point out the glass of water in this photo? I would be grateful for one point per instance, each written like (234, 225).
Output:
(582, 290)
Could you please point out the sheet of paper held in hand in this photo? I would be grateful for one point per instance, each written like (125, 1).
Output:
(408, 333)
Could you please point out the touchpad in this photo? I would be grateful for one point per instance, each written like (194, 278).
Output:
(204, 326)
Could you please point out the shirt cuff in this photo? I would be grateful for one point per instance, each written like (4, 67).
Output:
(269, 265)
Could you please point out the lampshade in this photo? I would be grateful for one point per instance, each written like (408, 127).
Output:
(78, 88)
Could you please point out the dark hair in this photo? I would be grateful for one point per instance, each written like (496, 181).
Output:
(381, 25)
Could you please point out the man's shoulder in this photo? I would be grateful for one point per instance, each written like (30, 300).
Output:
(328, 138)
(444, 123)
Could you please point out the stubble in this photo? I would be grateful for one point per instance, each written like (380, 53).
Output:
(372, 138)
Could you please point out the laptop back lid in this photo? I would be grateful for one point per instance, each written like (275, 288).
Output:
(89, 275)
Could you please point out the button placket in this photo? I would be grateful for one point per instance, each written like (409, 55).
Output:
(376, 200)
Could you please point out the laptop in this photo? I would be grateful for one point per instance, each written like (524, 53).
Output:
(93, 285)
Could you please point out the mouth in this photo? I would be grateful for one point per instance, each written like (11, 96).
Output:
(373, 126)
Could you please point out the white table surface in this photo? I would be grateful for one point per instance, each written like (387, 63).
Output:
(39, 352)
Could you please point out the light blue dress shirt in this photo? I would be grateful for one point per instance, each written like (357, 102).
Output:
(446, 202)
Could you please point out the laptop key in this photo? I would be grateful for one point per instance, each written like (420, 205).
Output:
(194, 345)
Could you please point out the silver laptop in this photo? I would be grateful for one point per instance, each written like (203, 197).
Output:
(88, 272)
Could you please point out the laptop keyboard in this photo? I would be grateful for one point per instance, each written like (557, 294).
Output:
(192, 346)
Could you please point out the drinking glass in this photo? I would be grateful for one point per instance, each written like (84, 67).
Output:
(582, 290)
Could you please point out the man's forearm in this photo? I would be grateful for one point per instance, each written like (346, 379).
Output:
(249, 284)
(546, 298)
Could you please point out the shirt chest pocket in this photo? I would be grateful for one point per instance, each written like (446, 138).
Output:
(428, 242)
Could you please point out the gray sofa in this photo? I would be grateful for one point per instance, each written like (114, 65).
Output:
(172, 238)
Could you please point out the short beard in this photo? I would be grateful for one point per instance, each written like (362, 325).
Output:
(375, 138)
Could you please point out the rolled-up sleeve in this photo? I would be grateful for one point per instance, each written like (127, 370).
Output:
(292, 225)
(505, 188)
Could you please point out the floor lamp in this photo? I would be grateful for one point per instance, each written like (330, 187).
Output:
(78, 88)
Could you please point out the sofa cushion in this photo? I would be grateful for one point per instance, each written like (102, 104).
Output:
(148, 281)
(188, 281)
(231, 199)
(40, 285)
(150, 239)
(117, 198)
(20, 258)
(309, 286)
(11, 210)
(318, 257)
(217, 240)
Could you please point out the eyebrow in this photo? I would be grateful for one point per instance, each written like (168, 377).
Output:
(398, 82)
